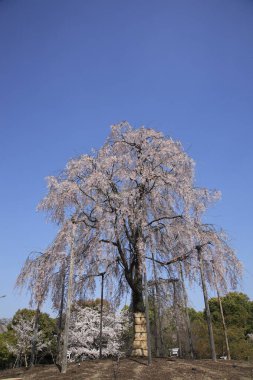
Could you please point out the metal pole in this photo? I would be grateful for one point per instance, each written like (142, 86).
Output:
(147, 317)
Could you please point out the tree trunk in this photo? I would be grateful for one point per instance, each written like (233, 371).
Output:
(34, 339)
(208, 314)
(140, 344)
(187, 318)
(68, 306)
(16, 361)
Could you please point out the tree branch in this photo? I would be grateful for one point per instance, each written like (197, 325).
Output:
(109, 242)
(174, 260)
(164, 217)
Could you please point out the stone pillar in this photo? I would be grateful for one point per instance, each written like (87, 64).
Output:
(140, 344)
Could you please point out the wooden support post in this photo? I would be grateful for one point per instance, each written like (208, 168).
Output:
(157, 312)
(222, 314)
(187, 318)
(176, 318)
(101, 315)
(69, 301)
(147, 317)
(208, 314)
(60, 319)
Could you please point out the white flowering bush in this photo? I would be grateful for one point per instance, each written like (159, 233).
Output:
(84, 333)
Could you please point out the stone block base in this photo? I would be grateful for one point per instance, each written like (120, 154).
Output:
(140, 352)
(140, 346)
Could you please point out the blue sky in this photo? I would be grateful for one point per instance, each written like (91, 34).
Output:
(70, 69)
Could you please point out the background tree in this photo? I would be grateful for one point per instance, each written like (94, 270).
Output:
(7, 339)
(22, 330)
(238, 314)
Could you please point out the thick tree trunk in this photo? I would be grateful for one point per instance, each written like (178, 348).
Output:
(140, 343)
(208, 314)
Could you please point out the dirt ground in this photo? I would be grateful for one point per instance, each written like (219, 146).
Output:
(131, 369)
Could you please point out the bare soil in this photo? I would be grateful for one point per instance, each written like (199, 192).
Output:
(131, 369)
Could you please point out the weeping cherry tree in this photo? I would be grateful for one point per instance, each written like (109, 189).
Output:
(133, 196)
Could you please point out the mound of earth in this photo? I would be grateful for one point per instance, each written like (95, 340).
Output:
(133, 368)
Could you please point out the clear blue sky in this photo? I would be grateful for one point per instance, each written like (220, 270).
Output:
(70, 69)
